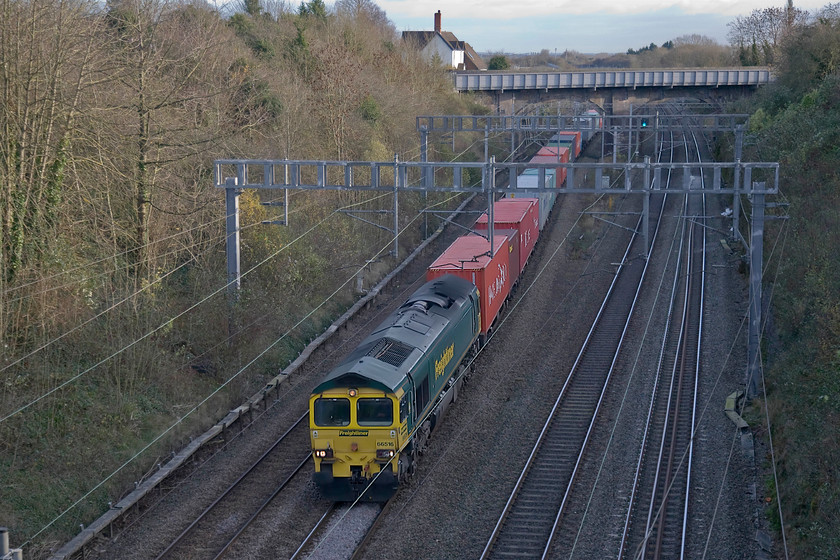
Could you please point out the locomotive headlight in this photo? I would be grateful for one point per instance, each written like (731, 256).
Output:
(384, 454)
(324, 453)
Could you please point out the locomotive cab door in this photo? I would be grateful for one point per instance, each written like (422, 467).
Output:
(406, 418)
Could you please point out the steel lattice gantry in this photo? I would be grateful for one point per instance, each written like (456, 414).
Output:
(552, 123)
(756, 180)
(631, 125)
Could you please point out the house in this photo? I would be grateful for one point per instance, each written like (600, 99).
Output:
(445, 46)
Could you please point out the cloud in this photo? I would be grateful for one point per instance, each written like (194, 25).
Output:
(590, 26)
(586, 33)
(504, 9)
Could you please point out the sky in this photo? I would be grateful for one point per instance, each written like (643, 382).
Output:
(592, 26)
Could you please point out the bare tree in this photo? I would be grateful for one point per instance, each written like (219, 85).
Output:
(336, 81)
(758, 35)
(364, 10)
(45, 59)
(811, 54)
(829, 12)
(169, 69)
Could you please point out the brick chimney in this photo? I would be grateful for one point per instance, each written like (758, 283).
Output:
(437, 22)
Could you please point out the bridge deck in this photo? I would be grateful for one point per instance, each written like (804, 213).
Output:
(506, 81)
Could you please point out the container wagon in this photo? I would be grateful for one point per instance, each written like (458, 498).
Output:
(469, 258)
(515, 215)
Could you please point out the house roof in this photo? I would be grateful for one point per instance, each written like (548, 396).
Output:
(471, 59)
(422, 38)
(419, 38)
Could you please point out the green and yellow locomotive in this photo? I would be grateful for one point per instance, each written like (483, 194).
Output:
(371, 415)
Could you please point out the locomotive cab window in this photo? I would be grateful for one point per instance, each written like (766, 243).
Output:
(374, 412)
(332, 412)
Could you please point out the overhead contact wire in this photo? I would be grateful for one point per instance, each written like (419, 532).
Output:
(226, 382)
(162, 326)
(109, 258)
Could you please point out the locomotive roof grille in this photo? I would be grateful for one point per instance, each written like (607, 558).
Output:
(390, 351)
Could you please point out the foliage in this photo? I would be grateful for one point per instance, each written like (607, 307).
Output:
(112, 272)
(36, 135)
(369, 109)
(758, 36)
(687, 51)
(314, 9)
(498, 62)
(651, 47)
(811, 55)
(797, 122)
(364, 11)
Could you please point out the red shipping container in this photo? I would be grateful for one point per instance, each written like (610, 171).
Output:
(515, 214)
(469, 258)
(514, 249)
(558, 154)
(561, 171)
(553, 151)
(576, 134)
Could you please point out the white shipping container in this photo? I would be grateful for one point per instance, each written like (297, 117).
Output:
(530, 180)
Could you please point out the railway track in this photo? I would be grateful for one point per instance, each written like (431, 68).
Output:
(576, 417)
(657, 521)
(221, 523)
(531, 517)
(341, 533)
(215, 530)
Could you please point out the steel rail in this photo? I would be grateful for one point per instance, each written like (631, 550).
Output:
(534, 451)
(696, 368)
(358, 554)
(322, 528)
(649, 420)
(693, 300)
(262, 507)
(641, 280)
(598, 323)
(309, 538)
(180, 538)
(666, 452)
(677, 395)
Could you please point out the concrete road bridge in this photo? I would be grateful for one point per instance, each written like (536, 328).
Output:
(613, 90)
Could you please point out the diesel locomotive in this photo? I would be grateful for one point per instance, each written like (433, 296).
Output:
(371, 415)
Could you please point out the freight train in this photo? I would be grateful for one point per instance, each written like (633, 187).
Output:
(372, 415)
